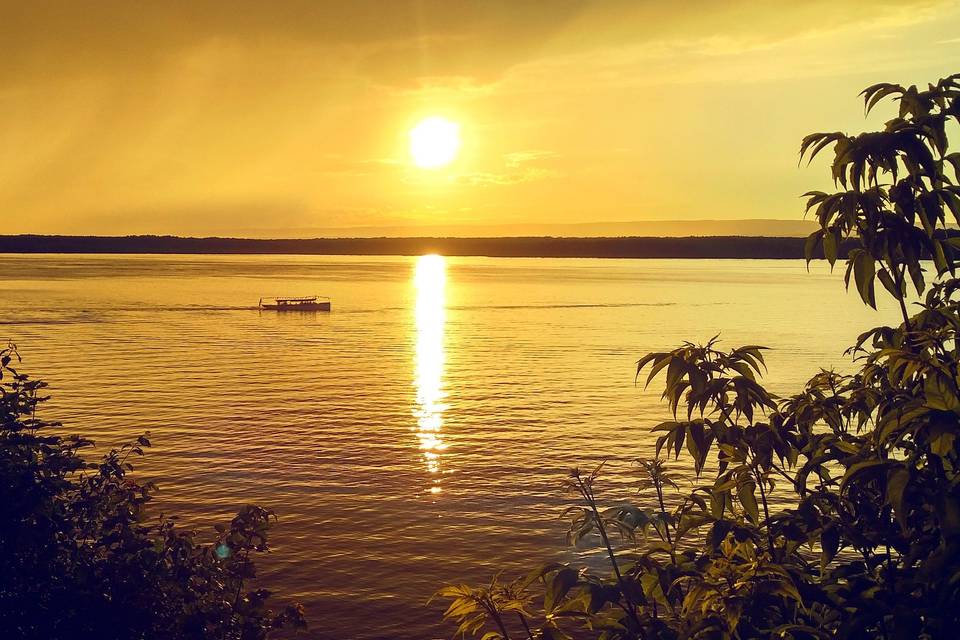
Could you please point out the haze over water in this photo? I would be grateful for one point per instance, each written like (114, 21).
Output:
(416, 435)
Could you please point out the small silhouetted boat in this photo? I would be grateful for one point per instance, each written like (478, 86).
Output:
(304, 303)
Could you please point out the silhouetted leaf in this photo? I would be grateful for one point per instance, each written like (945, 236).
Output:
(557, 587)
(863, 272)
(745, 493)
(897, 481)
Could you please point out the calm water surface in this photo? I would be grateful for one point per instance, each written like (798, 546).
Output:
(418, 433)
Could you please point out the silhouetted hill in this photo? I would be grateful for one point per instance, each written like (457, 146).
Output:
(544, 247)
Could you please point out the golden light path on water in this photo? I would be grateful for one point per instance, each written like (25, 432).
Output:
(430, 282)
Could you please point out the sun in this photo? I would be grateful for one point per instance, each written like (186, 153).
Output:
(434, 142)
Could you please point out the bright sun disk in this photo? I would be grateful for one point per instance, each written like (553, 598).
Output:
(434, 142)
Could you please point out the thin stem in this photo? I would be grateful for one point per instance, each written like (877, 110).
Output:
(902, 288)
(492, 610)
(766, 510)
(587, 494)
(802, 490)
(236, 597)
(658, 483)
(523, 620)
(906, 316)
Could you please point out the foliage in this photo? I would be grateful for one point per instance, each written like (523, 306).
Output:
(893, 180)
(867, 464)
(81, 558)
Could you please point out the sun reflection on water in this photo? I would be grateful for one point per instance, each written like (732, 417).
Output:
(430, 282)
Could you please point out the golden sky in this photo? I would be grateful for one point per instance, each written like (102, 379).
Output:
(290, 117)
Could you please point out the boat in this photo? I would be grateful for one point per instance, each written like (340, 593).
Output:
(303, 303)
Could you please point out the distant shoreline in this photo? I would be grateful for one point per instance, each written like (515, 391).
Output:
(511, 247)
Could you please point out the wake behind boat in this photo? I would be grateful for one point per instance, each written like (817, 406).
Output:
(303, 303)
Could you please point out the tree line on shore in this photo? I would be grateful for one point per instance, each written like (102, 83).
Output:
(533, 247)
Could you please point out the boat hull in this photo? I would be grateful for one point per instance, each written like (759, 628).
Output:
(310, 306)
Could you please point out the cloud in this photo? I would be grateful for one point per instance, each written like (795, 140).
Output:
(515, 159)
(778, 42)
(402, 41)
(518, 168)
(517, 177)
(391, 42)
(448, 88)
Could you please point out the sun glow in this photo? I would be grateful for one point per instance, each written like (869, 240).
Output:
(430, 281)
(434, 142)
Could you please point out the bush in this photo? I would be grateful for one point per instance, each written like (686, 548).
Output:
(80, 557)
(871, 460)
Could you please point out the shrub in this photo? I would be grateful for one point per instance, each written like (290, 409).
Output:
(871, 460)
(80, 556)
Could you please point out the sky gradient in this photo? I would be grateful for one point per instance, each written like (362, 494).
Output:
(290, 118)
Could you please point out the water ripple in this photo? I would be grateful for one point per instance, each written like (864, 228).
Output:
(399, 451)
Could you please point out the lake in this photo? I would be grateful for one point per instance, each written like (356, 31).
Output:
(417, 434)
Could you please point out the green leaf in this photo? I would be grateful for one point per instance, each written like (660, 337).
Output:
(954, 160)
(829, 544)
(875, 93)
(557, 587)
(786, 589)
(551, 632)
(546, 567)
(941, 444)
(718, 502)
(897, 481)
(698, 444)
(893, 421)
(953, 203)
(659, 360)
(863, 273)
(601, 594)
(940, 258)
(859, 468)
(811, 244)
(939, 393)
(830, 247)
(745, 492)
(888, 283)
(916, 275)
(718, 533)
(815, 142)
